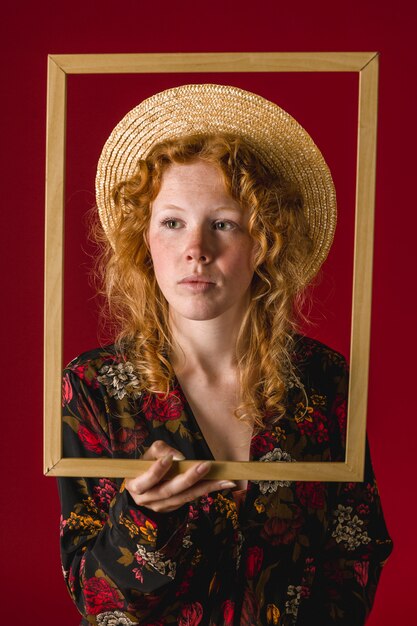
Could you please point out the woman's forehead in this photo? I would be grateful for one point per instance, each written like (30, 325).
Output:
(185, 186)
(197, 176)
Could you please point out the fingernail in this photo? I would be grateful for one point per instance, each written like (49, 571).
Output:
(226, 484)
(179, 457)
(167, 460)
(203, 467)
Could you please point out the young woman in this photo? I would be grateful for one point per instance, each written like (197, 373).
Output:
(218, 210)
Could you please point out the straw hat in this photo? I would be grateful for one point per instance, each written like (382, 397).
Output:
(275, 137)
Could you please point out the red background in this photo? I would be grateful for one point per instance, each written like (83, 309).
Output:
(331, 116)
(32, 588)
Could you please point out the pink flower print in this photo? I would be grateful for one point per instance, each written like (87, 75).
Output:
(361, 569)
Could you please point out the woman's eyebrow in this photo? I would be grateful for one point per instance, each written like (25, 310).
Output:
(235, 209)
(174, 207)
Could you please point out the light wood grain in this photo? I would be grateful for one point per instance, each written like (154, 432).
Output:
(54, 220)
(213, 62)
(363, 261)
(366, 63)
(117, 468)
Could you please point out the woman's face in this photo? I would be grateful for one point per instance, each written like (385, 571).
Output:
(201, 250)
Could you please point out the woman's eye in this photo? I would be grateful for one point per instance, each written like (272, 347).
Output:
(171, 224)
(220, 225)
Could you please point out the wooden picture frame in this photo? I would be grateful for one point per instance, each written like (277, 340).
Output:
(59, 67)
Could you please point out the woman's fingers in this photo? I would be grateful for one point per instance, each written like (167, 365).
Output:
(151, 490)
(172, 494)
(198, 490)
(150, 478)
(163, 454)
(177, 484)
(160, 449)
(149, 486)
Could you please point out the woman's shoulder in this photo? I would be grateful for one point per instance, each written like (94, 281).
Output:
(96, 358)
(106, 367)
(310, 351)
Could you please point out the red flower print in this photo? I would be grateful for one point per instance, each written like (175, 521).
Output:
(87, 374)
(62, 524)
(82, 566)
(91, 440)
(138, 574)
(363, 509)
(104, 492)
(89, 432)
(371, 492)
(185, 583)
(316, 427)
(139, 560)
(129, 439)
(228, 608)
(254, 561)
(191, 615)
(310, 567)
(310, 494)
(339, 409)
(192, 512)
(66, 390)
(156, 408)
(140, 519)
(361, 569)
(250, 609)
(206, 501)
(282, 531)
(100, 596)
(262, 443)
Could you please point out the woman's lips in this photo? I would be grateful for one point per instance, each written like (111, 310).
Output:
(197, 284)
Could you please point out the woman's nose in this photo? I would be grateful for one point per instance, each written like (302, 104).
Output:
(199, 247)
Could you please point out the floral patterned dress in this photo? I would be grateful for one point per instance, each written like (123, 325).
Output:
(293, 554)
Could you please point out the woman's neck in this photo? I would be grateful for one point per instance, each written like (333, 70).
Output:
(207, 348)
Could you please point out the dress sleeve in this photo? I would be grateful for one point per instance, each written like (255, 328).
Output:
(356, 541)
(114, 553)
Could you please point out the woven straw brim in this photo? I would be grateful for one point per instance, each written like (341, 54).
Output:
(274, 136)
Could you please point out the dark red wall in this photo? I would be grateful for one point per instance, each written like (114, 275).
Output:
(32, 588)
(326, 104)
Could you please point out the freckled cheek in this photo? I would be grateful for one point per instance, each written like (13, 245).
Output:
(240, 269)
(161, 258)
(248, 255)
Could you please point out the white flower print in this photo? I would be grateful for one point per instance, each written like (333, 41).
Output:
(270, 486)
(155, 560)
(113, 618)
(348, 529)
(119, 380)
(293, 602)
(186, 541)
(343, 513)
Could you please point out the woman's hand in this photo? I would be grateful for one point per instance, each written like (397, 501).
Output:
(162, 496)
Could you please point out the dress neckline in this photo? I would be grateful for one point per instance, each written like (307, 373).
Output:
(189, 411)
